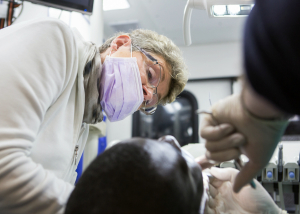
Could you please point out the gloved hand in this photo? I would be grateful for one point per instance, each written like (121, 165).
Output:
(221, 198)
(262, 136)
(228, 136)
(204, 162)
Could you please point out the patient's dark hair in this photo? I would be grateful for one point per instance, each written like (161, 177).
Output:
(124, 180)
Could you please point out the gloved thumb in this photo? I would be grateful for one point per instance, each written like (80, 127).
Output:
(225, 174)
(247, 173)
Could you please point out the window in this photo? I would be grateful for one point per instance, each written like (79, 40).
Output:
(178, 119)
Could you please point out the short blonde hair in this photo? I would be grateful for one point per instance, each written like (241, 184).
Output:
(152, 42)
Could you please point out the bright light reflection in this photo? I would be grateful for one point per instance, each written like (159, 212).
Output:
(115, 4)
(219, 9)
(176, 106)
(169, 108)
(246, 7)
(53, 12)
(234, 9)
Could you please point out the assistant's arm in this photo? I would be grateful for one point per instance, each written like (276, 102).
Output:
(271, 92)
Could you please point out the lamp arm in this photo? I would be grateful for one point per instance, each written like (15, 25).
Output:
(186, 23)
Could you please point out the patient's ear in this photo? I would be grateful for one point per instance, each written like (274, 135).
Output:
(122, 40)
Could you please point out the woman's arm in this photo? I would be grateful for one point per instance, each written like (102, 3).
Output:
(36, 60)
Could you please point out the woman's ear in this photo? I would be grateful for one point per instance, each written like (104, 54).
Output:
(122, 40)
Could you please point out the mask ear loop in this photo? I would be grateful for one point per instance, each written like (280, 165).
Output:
(110, 51)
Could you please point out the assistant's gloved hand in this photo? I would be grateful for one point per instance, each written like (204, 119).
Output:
(221, 198)
(227, 139)
(261, 136)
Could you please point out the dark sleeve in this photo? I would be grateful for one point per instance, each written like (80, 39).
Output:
(272, 52)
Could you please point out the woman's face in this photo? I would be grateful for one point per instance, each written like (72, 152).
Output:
(142, 60)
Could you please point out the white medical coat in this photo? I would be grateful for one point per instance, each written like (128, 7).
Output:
(41, 110)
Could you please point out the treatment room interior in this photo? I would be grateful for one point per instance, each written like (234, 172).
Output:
(214, 61)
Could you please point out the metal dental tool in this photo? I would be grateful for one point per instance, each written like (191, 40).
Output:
(237, 162)
(280, 175)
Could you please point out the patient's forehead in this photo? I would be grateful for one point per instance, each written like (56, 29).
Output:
(174, 165)
(162, 154)
(165, 153)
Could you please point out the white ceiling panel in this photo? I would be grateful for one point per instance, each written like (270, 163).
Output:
(166, 17)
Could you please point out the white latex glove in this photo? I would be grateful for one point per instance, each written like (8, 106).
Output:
(228, 136)
(221, 198)
(262, 136)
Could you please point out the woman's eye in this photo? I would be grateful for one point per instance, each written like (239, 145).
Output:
(149, 75)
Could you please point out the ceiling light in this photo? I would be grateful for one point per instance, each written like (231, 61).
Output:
(234, 9)
(246, 7)
(219, 9)
(115, 4)
(215, 9)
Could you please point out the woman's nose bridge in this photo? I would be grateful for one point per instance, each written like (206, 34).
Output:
(154, 90)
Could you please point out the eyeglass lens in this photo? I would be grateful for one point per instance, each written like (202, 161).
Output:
(153, 71)
(153, 102)
(153, 74)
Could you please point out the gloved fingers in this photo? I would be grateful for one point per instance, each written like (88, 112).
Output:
(212, 202)
(217, 183)
(223, 174)
(248, 172)
(204, 162)
(208, 120)
(219, 176)
(210, 130)
(209, 210)
(224, 155)
(232, 141)
(213, 191)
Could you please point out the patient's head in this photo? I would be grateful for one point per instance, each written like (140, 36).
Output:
(139, 176)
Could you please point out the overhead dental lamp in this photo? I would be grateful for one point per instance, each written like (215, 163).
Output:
(215, 9)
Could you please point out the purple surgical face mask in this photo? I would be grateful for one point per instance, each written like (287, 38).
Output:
(121, 91)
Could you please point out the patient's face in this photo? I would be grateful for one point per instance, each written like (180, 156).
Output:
(174, 163)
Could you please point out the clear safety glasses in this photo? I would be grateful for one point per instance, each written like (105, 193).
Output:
(153, 71)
